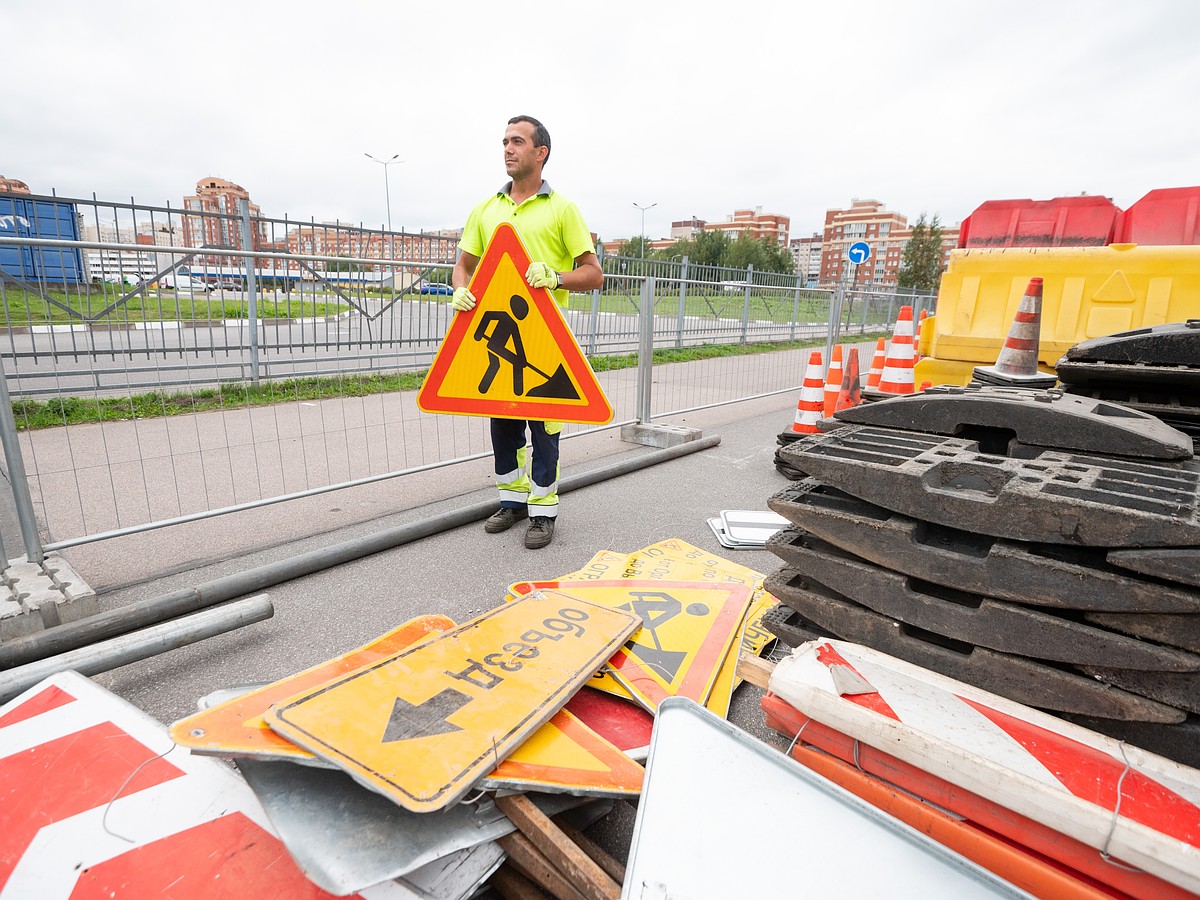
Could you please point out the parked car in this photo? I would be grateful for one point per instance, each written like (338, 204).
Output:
(436, 287)
(184, 283)
(226, 286)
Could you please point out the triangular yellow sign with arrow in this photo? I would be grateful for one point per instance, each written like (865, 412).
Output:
(513, 356)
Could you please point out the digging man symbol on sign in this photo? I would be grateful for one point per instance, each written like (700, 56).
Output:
(656, 608)
(503, 342)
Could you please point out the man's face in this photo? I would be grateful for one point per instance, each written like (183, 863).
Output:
(521, 158)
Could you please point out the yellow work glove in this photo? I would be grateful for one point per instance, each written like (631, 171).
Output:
(541, 275)
(463, 300)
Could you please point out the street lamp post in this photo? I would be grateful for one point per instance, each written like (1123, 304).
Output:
(387, 193)
(643, 209)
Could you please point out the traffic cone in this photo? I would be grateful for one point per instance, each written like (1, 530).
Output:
(851, 392)
(1017, 364)
(833, 380)
(812, 398)
(897, 375)
(877, 364)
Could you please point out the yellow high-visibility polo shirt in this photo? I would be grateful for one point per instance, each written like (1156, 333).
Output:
(551, 228)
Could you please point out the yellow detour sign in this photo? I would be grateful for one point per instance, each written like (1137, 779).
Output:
(236, 727)
(687, 630)
(566, 756)
(512, 356)
(425, 724)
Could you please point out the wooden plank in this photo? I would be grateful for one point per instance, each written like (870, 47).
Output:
(512, 885)
(578, 868)
(755, 670)
(535, 866)
(602, 857)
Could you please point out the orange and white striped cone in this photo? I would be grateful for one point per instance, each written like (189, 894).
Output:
(851, 392)
(812, 398)
(833, 380)
(1017, 364)
(897, 375)
(877, 364)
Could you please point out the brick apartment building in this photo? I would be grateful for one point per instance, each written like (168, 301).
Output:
(887, 233)
(216, 195)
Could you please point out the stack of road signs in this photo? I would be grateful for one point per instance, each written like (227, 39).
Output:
(745, 529)
(512, 356)
(1055, 809)
(996, 535)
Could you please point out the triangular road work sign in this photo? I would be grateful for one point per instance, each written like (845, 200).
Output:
(566, 756)
(513, 356)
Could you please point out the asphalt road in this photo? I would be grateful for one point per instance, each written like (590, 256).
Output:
(459, 573)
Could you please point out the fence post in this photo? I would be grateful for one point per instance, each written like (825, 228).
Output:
(645, 351)
(16, 474)
(746, 304)
(251, 287)
(683, 277)
(796, 305)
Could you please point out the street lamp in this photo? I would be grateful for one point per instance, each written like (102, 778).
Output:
(387, 193)
(643, 209)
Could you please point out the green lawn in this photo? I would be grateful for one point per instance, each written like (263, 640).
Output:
(23, 307)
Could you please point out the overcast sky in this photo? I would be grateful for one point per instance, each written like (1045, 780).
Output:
(699, 107)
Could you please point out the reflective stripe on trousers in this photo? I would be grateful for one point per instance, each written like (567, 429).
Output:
(523, 477)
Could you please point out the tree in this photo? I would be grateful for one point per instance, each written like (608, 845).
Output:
(921, 265)
(343, 266)
(636, 247)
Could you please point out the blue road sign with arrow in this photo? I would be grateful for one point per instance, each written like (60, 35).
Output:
(859, 252)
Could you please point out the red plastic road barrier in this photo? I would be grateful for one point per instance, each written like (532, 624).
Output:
(96, 802)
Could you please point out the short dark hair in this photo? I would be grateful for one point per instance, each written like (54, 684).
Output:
(541, 137)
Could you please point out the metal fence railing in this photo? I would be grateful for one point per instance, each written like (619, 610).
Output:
(162, 369)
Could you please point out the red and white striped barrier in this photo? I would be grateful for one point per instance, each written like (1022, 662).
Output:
(1140, 808)
(97, 802)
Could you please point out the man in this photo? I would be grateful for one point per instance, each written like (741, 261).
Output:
(554, 233)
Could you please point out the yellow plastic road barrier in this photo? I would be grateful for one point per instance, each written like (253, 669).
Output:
(1088, 292)
(424, 725)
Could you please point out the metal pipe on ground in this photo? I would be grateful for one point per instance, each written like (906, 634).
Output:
(130, 648)
(81, 632)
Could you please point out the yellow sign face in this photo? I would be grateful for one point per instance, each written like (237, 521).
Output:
(512, 356)
(237, 728)
(687, 630)
(424, 725)
(677, 560)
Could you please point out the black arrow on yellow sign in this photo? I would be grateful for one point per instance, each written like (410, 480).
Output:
(425, 719)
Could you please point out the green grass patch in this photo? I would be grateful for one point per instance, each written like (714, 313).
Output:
(38, 414)
(24, 307)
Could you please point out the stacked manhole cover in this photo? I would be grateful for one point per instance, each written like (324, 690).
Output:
(1154, 370)
(1041, 545)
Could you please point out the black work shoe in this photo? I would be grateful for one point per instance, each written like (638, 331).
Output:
(503, 520)
(539, 533)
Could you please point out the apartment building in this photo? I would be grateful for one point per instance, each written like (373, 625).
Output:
(806, 257)
(758, 224)
(215, 220)
(885, 231)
